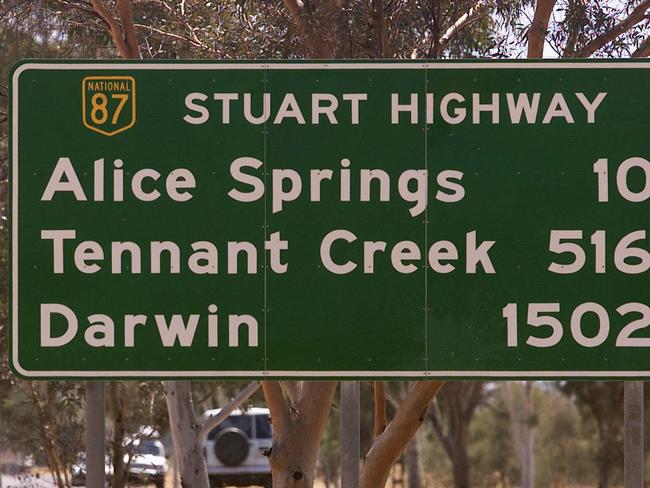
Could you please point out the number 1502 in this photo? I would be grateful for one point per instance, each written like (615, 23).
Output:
(552, 330)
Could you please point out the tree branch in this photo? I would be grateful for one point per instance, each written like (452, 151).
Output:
(387, 448)
(464, 20)
(190, 40)
(392, 400)
(440, 433)
(293, 389)
(643, 51)
(637, 15)
(473, 399)
(294, 6)
(114, 27)
(126, 15)
(314, 395)
(212, 422)
(316, 36)
(429, 43)
(277, 404)
(379, 28)
(124, 37)
(380, 408)
(538, 28)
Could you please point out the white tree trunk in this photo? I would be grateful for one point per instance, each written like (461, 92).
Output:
(521, 416)
(185, 435)
(388, 447)
(298, 425)
(293, 459)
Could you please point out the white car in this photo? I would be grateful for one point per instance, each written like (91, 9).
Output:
(148, 463)
(236, 451)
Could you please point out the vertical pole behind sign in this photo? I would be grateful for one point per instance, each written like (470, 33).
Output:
(633, 455)
(95, 434)
(350, 434)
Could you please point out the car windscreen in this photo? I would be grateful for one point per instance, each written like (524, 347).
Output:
(149, 448)
(241, 422)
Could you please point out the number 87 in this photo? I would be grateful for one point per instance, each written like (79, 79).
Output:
(99, 110)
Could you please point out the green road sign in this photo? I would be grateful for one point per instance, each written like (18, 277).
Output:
(347, 219)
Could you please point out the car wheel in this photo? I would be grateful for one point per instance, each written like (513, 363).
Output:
(231, 447)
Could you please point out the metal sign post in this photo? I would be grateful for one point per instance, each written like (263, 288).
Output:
(633, 456)
(350, 434)
(95, 434)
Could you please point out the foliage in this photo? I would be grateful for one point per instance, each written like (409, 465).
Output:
(44, 421)
(601, 402)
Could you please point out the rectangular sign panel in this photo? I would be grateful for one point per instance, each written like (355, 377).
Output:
(347, 219)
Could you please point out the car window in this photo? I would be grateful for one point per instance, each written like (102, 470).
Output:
(241, 422)
(149, 448)
(262, 427)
